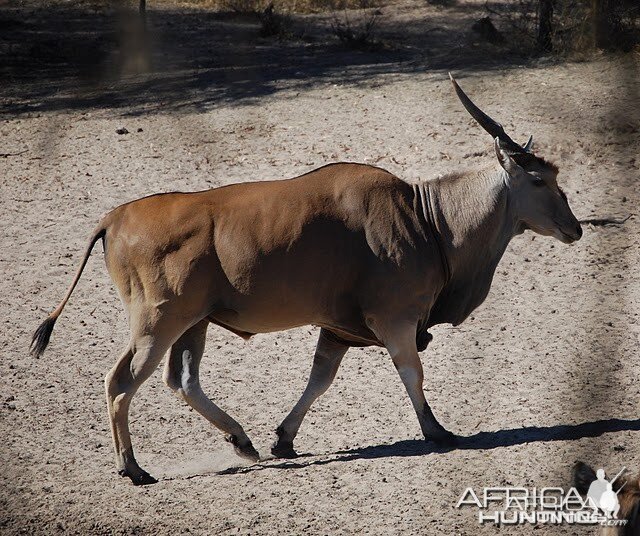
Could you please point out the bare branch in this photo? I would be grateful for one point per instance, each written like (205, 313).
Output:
(605, 221)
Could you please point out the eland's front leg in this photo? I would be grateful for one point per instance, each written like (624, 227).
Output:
(401, 345)
(326, 361)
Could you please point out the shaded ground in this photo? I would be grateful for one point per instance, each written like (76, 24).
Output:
(60, 57)
(545, 373)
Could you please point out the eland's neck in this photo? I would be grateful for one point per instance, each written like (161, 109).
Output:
(473, 218)
(474, 223)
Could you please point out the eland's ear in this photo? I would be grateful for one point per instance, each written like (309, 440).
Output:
(507, 163)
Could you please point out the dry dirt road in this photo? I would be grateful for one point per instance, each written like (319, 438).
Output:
(545, 373)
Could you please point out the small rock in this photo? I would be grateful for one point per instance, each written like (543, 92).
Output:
(140, 130)
(122, 130)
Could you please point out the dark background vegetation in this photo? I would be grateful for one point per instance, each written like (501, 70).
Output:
(58, 55)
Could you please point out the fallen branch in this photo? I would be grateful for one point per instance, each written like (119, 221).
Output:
(605, 221)
(7, 155)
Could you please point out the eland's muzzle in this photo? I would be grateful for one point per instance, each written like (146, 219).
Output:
(570, 235)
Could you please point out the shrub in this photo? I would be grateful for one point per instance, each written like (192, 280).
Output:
(359, 35)
(274, 24)
(576, 25)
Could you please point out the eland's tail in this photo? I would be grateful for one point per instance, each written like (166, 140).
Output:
(43, 333)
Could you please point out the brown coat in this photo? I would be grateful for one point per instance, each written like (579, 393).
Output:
(351, 248)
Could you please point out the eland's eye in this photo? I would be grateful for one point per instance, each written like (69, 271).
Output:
(537, 181)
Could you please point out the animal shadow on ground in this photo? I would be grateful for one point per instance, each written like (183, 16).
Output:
(479, 441)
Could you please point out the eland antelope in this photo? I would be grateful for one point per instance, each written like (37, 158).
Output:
(351, 248)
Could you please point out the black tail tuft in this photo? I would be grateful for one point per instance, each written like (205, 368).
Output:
(41, 336)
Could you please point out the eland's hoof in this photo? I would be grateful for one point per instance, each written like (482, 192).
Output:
(244, 451)
(281, 449)
(139, 478)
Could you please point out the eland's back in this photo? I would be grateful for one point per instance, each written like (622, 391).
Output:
(266, 256)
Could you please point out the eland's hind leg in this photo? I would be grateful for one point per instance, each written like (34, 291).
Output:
(133, 367)
(181, 373)
(329, 354)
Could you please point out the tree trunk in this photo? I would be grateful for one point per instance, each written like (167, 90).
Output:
(545, 25)
(143, 12)
(602, 18)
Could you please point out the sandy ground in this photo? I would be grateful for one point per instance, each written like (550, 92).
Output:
(545, 373)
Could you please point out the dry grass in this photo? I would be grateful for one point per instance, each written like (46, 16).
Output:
(240, 6)
(284, 6)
